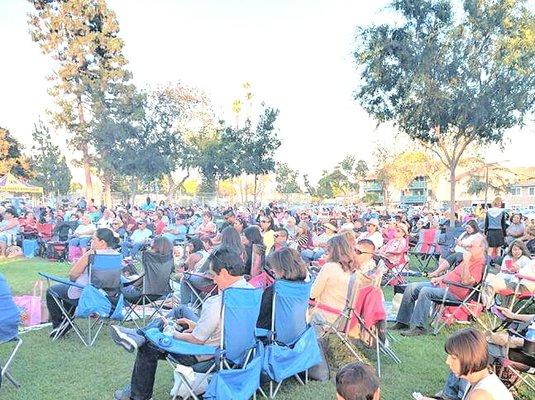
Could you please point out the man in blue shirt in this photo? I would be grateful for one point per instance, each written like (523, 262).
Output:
(137, 240)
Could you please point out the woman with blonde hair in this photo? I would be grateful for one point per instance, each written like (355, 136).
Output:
(330, 287)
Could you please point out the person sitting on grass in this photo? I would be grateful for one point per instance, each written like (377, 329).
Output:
(9, 227)
(227, 269)
(417, 299)
(357, 381)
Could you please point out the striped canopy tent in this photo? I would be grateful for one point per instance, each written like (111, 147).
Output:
(11, 184)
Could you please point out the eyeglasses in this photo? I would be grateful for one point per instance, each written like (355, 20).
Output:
(359, 252)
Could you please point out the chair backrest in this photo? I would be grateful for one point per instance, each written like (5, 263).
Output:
(9, 313)
(105, 271)
(158, 269)
(428, 241)
(290, 304)
(45, 229)
(239, 314)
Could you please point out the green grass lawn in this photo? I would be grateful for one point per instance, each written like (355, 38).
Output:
(66, 369)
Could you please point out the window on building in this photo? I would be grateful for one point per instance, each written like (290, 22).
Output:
(532, 191)
(516, 191)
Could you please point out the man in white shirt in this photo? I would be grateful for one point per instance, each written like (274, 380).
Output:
(140, 237)
(372, 233)
(227, 270)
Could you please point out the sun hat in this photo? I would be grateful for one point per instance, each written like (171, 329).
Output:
(373, 221)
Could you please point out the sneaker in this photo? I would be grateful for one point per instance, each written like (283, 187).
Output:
(399, 326)
(414, 332)
(124, 394)
(127, 338)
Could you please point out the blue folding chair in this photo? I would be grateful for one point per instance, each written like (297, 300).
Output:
(9, 329)
(101, 298)
(236, 361)
(292, 344)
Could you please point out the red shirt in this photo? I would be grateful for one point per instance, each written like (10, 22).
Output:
(159, 227)
(475, 268)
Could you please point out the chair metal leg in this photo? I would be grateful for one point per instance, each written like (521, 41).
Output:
(4, 369)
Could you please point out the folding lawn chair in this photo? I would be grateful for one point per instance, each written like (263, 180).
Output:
(237, 361)
(155, 286)
(101, 298)
(427, 248)
(200, 294)
(517, 295)
(394, 273)
(518, 364)
(9, 334)
(447, 311)
(292, 345)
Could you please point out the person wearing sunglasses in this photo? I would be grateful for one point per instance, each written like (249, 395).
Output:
(227, 270)
(280, 240)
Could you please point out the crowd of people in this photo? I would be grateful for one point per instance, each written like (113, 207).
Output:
(239, 247)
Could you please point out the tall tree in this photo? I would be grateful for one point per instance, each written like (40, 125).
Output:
(50, 166)
(286, 179)
(450, 81)
(259, 146)
(11, 157)
(82, 37)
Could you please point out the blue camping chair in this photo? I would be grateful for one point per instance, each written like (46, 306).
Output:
(237, 361)
(100, 300)
(9, 329)
(292, 344)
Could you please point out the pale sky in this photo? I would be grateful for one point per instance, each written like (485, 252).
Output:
(296, 54)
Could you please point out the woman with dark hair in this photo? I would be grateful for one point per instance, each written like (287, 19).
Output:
(516, 229)
(467, 358)
(103, 242)
(462, 245)
(29, 226)
(207, 228)
(231, 238)
(255, 250)
(240, 224)
(517, 261)
(195, 262)
(285, 264)
(267, 226)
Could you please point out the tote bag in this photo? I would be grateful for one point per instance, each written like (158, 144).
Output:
(33, 309)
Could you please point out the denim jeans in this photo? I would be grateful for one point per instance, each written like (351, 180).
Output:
(130, 249)
(61, 292)
(142, 381)
(187, 296)
(79, 242)
(417, 302)
(455, 387)
(312, 255)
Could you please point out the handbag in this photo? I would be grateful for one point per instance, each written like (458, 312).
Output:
(33, 308)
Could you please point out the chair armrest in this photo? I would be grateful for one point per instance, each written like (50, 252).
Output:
(175, 346)
(459, 285)
(261, 333)
(196, 274)
(60, 279)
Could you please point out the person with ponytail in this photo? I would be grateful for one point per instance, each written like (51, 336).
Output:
(103, 241)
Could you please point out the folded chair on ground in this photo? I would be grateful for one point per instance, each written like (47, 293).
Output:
(100, 299)
(155, 288)
(9, 334)
(236, 363)
(427, 249)
(448, 311)
(291, 344)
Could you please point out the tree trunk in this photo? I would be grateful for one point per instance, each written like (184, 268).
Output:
(254, 189)
(85, 155)
(107, 190)
(453, 183)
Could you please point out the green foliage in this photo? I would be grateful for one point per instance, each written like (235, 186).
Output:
(475, 185)
(82, 38)
(11, 157)
(371, 198)
(286, 179)
(50, 166)
(450, 80)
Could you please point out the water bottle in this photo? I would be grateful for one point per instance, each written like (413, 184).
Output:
(169, 330)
